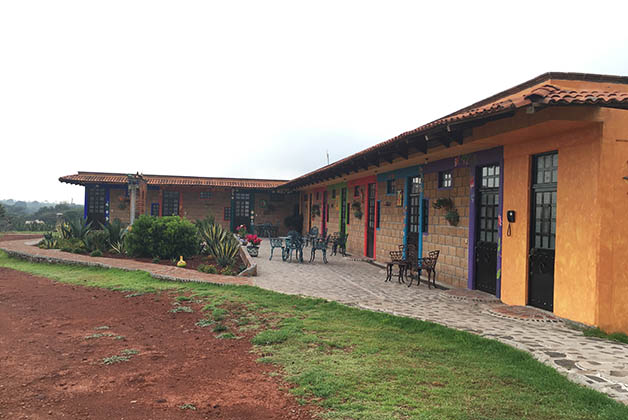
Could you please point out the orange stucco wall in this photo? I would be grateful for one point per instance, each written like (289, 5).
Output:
(613, 255)
(577, 224)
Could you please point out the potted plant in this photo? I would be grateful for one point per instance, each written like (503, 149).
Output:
(253, 245)
(316, 210)
(356, 206)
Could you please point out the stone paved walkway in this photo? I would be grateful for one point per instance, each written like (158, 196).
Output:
(21, 248)
(597, 363)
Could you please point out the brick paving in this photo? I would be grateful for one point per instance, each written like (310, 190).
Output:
(596, 363)
(593, 362)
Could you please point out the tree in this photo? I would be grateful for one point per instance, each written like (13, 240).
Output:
(3, 212)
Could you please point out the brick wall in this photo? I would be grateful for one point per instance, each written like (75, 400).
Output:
(275, 211)
(452, 241)
(116, 198)
(392, 220)
(197, 208)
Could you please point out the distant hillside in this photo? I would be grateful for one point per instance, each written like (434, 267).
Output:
(18, 215)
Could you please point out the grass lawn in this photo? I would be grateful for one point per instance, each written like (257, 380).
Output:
(359, 364)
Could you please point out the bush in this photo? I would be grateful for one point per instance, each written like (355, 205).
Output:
(97, 240)
(76, 228)
(73, 245)
(205, 268)
(164, 237)
(96, 253)
(115, 232)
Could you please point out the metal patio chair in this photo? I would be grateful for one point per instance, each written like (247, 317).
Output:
(403, 260)
(428, 264)
(275, 243)
(320, 244)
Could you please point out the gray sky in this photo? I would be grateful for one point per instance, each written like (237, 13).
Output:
(261, 88)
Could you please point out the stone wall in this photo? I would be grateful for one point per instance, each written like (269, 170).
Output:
(452, 241)
(392, 220)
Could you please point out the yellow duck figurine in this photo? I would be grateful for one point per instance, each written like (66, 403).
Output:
(181, 263)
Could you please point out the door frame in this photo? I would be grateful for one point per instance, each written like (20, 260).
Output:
(531, 225)
(486, 157)
(367, 200)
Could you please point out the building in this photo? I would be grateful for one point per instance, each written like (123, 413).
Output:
(232, 201)
(524, 193)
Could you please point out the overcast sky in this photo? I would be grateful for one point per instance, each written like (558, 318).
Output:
(261, 88)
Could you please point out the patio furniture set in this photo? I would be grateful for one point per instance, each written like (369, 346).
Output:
(294, 243)
(407, 261)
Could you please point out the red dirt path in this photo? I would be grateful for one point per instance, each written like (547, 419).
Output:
(49, 370)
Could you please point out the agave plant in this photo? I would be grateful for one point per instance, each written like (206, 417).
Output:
(77, 228)
(220, 244)
(226, 253)
(116, 232)
(49, 241)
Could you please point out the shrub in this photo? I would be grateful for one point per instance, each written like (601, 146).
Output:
(73, 245)
(205, 268)
(97, 240)
(115, 232)
(164, 237)
(96, 253)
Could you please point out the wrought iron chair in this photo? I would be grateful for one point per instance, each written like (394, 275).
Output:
(428, 264)
(403, 260)
(294, 243)
(312, 234)
(275, 243)
(320, 244)
(339, 240)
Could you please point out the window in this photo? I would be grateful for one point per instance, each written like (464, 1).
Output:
(305, 197)
(444, 179)
(154, 209)
(390, 186)
(205, 195)
(227, 213)
(356, 191)
(333, 193)
(378, 210)
(426, 214)
(490, 176)
(171, 203)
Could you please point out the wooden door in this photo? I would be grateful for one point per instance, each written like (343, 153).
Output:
(370, 221)
(487, 228)
(543, 231)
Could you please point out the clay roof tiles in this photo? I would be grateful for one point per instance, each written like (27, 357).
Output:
(83, 178)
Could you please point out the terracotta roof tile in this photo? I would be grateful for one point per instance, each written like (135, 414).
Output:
(83, 178)
(510, 100)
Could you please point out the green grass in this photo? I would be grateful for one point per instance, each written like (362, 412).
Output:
(367, 365)
(596, 332)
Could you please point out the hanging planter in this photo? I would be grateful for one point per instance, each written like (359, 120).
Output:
(356, 206)
(452, 216)
(316, 210)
